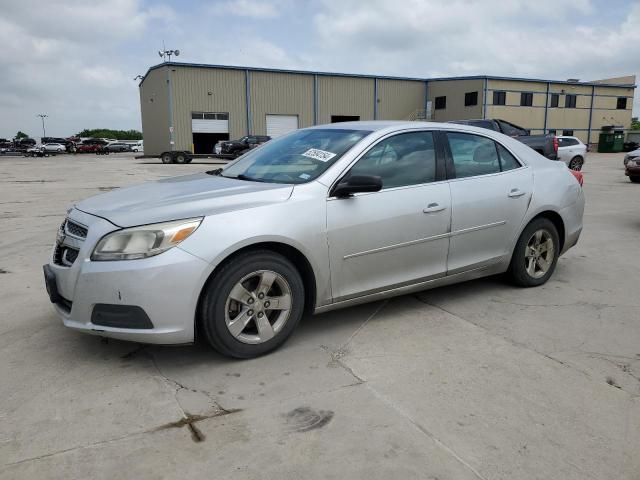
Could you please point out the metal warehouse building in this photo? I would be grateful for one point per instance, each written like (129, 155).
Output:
(190, 107)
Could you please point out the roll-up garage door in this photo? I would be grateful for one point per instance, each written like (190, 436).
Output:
(209, 122)
(278, 125)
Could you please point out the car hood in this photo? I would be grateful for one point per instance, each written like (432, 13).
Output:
(181, 197)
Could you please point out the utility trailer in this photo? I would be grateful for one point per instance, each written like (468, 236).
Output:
(181, 156)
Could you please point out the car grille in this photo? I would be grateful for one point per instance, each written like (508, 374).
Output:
(64, 256)
(75, 229)
(67, 249)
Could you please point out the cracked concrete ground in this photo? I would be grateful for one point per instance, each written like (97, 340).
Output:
(475, 381)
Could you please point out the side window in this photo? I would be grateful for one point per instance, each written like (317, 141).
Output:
(507, 161)
(511, 129)
(404, 159)
(473, 155)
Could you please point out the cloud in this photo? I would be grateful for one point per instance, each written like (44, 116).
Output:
(248, 8)
(76, 61)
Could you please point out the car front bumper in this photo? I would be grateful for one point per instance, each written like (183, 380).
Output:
(632, 168)
(112, 298)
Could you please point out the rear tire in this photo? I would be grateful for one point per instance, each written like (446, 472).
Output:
(259, 279)
(634, 178)
(536, 254)
(180, 157)
(576, 163)
(166, 157)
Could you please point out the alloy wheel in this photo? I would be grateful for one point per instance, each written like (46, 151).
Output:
(258, 307)
(539, 254)
(576, 164)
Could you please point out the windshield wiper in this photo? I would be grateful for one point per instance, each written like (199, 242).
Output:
(217, 172)
(244, 177)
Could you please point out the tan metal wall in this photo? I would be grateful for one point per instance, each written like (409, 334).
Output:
(527, 117)
(282, 94)
(344, 96)
(604, 108)
(454, 90)
(154, 109)
(399, 99)
(191, 87)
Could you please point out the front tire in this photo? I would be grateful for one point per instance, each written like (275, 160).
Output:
(536, 254)
(252, 304)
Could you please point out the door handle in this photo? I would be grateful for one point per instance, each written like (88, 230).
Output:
(433, 207)
(515, 193)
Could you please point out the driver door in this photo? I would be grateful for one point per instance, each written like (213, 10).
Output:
(396, 236)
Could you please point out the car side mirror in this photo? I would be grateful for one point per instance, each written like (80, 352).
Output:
(357, 184)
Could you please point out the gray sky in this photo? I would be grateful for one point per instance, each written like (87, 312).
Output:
(75, 60)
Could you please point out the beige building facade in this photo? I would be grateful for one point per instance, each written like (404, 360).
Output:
(190, 107)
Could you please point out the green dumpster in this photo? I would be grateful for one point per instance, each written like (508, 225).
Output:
(611, 140)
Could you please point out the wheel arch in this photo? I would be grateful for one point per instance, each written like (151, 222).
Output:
(555, 218)
(291, 253)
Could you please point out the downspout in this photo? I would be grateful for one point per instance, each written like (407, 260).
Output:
(170, 87)
(426, 98)
(247, 93)
(375, 99)
(593, 94)
(546, 105)
(484, 99)
(315, 99)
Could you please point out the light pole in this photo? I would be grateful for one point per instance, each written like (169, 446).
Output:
(42, 117)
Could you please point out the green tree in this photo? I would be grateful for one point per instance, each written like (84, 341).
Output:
(21, 135)
(109, 133)
(635, 123)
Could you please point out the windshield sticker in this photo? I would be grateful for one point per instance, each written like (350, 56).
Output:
(305, 176)
(321, 155)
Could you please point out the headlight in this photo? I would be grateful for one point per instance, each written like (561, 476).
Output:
(145, 241)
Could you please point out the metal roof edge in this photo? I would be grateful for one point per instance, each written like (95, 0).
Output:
(383, 77)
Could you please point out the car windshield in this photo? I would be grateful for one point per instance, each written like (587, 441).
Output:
(296, 158)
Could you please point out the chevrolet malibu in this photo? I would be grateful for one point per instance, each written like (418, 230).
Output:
(319, 219)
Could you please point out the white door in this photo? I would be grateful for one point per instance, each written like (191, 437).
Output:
(489, 196)
(396, 236)
(278, 125)
(209, 123)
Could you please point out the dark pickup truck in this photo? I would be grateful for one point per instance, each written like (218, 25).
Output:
(546, 145)
(238, 147)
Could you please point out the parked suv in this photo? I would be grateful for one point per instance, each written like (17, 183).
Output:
(238, 147)
(572, 152)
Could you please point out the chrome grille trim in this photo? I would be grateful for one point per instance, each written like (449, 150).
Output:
(75, 229)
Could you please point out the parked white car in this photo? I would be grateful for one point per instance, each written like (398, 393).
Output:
(53, 147)
(572, 152)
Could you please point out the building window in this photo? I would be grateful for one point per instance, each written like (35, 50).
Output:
(569, 101)
(622, 103)
(499, 98)
(526, 99)
(441, 103)
(555, 98)
(470, 99)
(209, 116)
(552, 132)
(567, 133)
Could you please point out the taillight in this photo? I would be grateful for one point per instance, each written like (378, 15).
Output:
(579, 177)
(555, 144)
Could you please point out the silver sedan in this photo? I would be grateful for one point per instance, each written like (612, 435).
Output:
(322, 218)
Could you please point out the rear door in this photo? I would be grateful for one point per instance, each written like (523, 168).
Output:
(490, 194)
